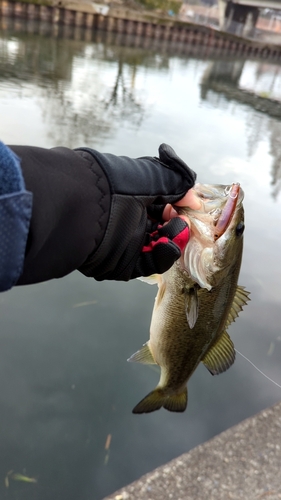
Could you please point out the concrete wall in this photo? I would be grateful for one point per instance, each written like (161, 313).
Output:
(146, 25)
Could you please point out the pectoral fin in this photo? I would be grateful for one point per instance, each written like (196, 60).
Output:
(221, 355)
(144, 355)
(241, 298)
(191, 306)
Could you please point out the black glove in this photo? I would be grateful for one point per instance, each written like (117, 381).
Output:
(135, 242)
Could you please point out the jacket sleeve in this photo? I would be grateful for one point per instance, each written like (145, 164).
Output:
(71, 204)
(15, 215)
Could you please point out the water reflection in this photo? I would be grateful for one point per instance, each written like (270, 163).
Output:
(240, 80)
(65, 383)
(63, 69)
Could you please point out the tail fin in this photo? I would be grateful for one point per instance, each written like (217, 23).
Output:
(157, 398)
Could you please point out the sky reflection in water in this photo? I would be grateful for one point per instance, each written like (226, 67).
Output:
(65, 383)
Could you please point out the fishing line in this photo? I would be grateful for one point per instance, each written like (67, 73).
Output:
(266, 376)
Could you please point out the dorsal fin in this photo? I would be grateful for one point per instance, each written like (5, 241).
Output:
(241, 298)
(220, 356)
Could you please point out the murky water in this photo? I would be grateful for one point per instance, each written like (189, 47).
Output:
(65, 383)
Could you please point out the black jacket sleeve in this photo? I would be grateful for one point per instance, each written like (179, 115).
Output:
(71, 205)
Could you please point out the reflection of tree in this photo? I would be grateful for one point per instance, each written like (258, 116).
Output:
(122, 102)
(70, 126)
(275, 150)
(256, 129)
(94, 104)
(75, 82)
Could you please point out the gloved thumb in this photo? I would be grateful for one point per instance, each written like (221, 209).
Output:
(170, 158)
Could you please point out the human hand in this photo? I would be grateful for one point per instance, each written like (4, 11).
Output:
(189, 200)
(137, 242)
(173, 236)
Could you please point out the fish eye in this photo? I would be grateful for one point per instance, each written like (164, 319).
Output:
(240, 228)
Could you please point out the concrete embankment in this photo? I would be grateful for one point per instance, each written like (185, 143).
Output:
(243, 462)
(133, 22)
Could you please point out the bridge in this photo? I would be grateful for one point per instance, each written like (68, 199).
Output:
(262, 4)
(240, 16)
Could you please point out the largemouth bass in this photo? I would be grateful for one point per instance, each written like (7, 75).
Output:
(198, 298)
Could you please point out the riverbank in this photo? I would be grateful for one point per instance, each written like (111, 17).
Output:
(241, 463)
(124, 20)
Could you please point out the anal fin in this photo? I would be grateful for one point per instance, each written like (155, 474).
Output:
(220, 356)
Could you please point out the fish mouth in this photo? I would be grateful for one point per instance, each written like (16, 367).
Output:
(228, 210)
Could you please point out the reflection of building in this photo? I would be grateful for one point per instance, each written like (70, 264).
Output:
(222, 79)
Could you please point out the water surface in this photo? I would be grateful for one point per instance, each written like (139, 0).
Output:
(65, 383)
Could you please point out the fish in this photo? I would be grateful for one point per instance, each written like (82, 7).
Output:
(198, 298)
